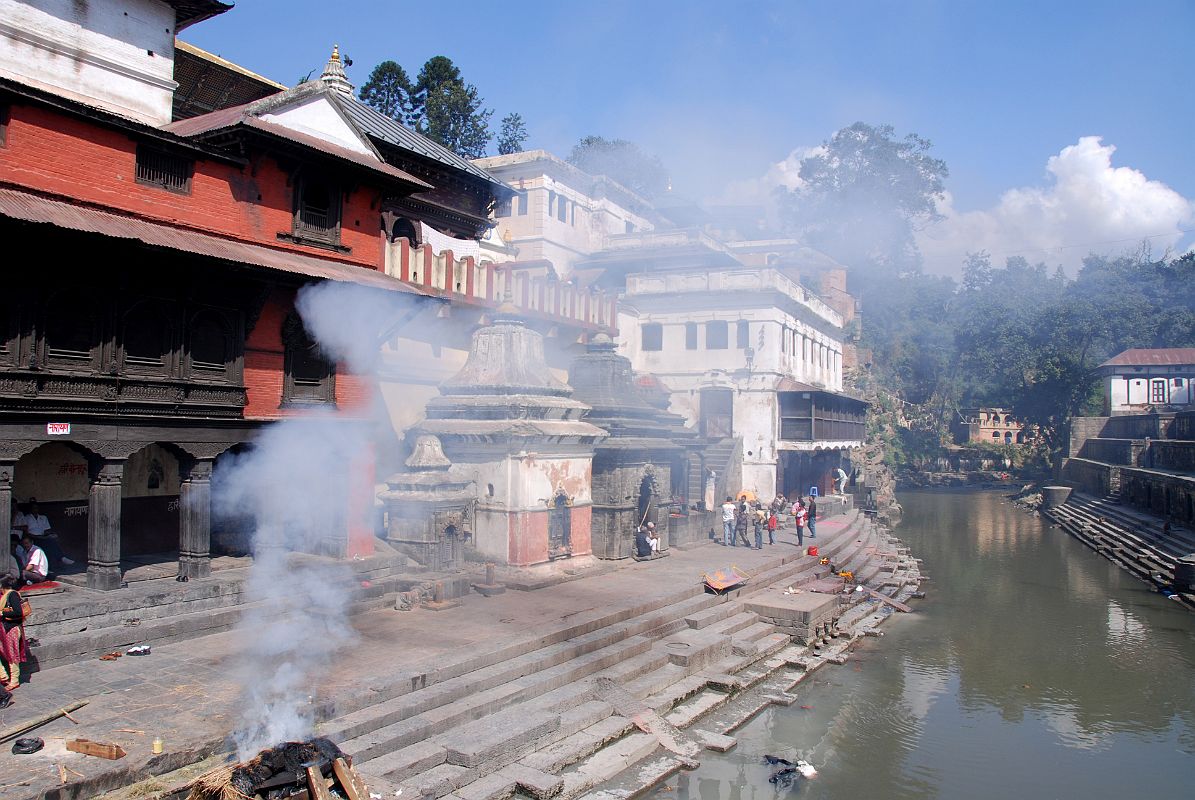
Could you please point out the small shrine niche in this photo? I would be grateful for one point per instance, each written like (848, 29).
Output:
(430, 508)
(560, 526)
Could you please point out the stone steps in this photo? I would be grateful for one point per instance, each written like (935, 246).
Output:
(534, 707)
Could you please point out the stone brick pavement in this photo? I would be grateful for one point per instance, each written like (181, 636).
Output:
(187, 692)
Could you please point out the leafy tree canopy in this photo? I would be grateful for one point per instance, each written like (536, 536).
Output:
(389, 91)
(512, 135)
(623, 161)
(863, 194)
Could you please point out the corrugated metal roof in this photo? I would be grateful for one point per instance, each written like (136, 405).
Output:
(34, 208)
(382, 127)
(1142, 357)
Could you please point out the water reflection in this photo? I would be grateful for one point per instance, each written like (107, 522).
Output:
(1034, 669)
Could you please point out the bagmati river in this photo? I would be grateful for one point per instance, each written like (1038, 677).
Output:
(1033, 669)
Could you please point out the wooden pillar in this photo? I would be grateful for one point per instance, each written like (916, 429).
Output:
(103, 526)
(195, 520)
(7, 471)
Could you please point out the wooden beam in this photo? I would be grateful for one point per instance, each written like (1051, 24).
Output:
(316, 787)
(899, 606)
(350, 782)
(99, 749)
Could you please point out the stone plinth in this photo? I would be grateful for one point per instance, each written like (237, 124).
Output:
(430, 508)
(798, 615)
(507, 423)
(1052, 496)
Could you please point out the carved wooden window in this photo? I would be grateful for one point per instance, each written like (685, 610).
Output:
(211, 350)
(8, 332)
(317, 211)
(164, 170)
(146, 340)
(71, 333)
(309, 376)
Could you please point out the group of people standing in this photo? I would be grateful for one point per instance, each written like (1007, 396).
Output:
(738, 515)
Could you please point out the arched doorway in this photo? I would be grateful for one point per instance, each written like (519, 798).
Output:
(57, 476)
(150, 511)
(232, 527)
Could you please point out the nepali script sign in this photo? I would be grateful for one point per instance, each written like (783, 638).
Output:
(58, 429)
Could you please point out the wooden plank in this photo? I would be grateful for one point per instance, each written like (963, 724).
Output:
(99, 749)
(899, 606)
(350, 782)
(316, 788)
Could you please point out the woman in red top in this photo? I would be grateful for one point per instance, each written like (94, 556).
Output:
(13, 649)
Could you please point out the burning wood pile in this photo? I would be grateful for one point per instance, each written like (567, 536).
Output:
(313, 770)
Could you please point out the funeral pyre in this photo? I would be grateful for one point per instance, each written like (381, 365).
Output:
(311, 770)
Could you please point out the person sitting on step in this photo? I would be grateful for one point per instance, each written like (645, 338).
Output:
(36, 567)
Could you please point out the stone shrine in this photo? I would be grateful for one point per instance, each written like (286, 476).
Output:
(637, 468)
(515, 430)
(429, 508)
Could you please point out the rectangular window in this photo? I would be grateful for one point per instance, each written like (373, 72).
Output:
(690, 335)
(317, 212)
(1157, 391)
(164, 170)
(653, 336)
(524, 203)
(562, 209)
(308, 376)
(717, 335)
(552, 201)
(502, 209)
(630, 226)
(742, 334)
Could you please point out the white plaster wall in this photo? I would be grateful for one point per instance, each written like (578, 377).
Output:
(319, 118)
(115, 54)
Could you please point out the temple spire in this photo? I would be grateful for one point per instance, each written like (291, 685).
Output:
(334, 74)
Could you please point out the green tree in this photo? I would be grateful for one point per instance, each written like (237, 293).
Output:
(864, 193)
(512, 135)
(623, 161)
(389, 91)
(449, 111)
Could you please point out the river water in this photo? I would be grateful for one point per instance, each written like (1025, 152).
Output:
(1033, 669)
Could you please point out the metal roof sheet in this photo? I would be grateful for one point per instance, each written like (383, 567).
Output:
(378, 125)
(35, 208)
(1143, 357)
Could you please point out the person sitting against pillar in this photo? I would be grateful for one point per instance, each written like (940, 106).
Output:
(36, 567)
(13, 649)
(642, 544)
(653, 538)
(37, 525)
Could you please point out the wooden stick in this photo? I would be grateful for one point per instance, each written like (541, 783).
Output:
(350, 782)
(61, 773)
(67, 714)
(29, 724)
(129, 730)
(316, 787)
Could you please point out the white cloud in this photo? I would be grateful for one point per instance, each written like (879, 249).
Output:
(1088, 206)
(786, 173)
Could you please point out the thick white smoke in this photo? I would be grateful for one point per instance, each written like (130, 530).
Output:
(295, 484)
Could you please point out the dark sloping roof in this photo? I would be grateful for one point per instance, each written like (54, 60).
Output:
(246, 115)
(387, 130)
(207, 82)
(35, 208)
(1141, 357)
(188, 12)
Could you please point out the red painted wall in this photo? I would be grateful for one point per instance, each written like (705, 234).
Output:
(527, 535)
(66, 156)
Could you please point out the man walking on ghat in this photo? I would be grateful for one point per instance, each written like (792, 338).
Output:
(741, 520)
(728, 523)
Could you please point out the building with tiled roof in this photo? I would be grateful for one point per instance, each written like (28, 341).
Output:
(1142, 379)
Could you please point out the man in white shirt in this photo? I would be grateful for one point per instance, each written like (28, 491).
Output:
(36, 566)
(37, 525)
(728, 511)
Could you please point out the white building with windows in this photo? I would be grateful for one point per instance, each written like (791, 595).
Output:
(1139, 379)
(561, 214)
(748, 354)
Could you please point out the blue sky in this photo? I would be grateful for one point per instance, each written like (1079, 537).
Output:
(723, 91)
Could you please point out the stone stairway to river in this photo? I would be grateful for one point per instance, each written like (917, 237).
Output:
(532, 718)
